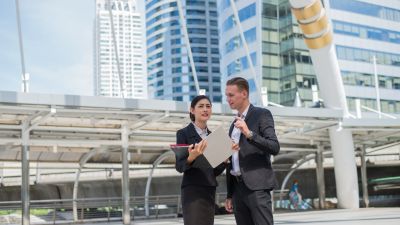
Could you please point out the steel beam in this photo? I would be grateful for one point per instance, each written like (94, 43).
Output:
(364, 180)
(25, 197)
(125, 175)
(319, 159)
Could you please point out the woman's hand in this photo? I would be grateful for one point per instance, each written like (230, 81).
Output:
(196, 150)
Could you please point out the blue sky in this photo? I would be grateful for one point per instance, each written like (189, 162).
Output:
(58, 45)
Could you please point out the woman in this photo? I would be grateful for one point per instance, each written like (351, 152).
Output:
(199, 179)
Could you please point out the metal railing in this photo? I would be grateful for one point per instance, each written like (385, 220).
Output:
(59, 211)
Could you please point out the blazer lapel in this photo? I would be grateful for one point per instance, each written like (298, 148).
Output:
(193, 135)
(246, 119)
(251, 110)
(231, 128)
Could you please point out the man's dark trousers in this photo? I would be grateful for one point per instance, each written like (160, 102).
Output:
(258, 201)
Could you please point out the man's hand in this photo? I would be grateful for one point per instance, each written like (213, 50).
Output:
(196, 150)
(242, 126)
(235, 146)
(228, 205)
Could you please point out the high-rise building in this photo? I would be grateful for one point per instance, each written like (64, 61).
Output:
(363, 29)
(169, 70)
(129, 40)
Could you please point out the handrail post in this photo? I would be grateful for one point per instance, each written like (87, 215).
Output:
(54, 213)
(179, 205)
(108, 210)
(158, 202)
(82, 212)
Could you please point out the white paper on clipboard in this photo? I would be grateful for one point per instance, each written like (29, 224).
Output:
(219, 147)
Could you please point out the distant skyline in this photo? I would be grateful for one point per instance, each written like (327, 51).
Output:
(58, 45)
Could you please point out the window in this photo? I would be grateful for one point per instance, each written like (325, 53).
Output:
(199, 50)
(177, 70)
(176, 60)
(195, 2)
(176, 41)
(197, 31)
(235, 42)
(199, 59)
(203, 79)
(216, 89)
(213, 13)
(196, 21)
(247, 12)
(175, 32)
(366, 32)
(364, 55)
(217, 98)
(175, 51)
(202, 69)
(198, 40)
(176, 79)
(244, 14)
(162, 16)
(214, 51)
(177, 98)
(160, 93)
(196, 12)
(177, 89)
(270, 11)
(366, 9)
(240, 64)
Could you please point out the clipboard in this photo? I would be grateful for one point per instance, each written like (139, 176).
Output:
(180, 150)
(219, 147)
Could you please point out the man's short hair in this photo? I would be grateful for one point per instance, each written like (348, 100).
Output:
(240, 82)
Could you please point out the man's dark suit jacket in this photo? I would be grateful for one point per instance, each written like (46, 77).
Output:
(200, 171)
(255, 154)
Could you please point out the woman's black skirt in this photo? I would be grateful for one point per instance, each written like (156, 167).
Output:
(198, 205)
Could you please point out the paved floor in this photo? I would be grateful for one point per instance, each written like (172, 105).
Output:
(370, 216)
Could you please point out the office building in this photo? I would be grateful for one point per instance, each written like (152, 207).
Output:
(169, 70)
(362, 29)
(128, 33)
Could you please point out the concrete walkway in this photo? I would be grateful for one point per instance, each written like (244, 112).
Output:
(370, 216)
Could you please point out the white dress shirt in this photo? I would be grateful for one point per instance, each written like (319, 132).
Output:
(202, 132)
(235, 136)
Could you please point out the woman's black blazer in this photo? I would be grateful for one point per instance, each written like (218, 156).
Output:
(200, 171)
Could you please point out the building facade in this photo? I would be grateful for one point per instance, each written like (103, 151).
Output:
(128, 34)
(169, 71)
(362, 29)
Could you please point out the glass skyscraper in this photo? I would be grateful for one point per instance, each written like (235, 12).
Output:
(169, 71)
(362, 29)
(129, 39)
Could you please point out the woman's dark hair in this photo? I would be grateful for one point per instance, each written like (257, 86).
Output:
(194, 102)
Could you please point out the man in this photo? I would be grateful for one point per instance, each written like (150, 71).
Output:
(250, 177)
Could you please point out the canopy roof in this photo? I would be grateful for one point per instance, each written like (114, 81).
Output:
(65, 127)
